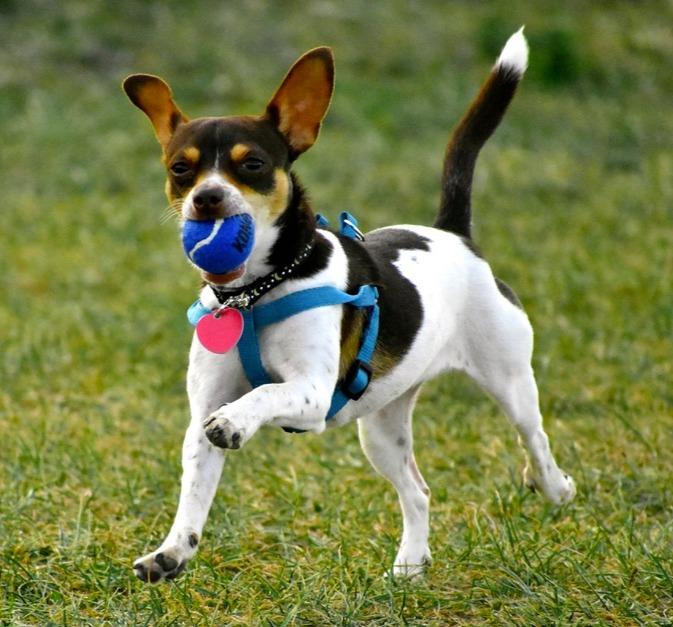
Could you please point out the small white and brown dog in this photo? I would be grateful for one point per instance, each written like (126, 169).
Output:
(439, 306)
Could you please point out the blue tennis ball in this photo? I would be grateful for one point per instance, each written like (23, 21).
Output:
(219, 246)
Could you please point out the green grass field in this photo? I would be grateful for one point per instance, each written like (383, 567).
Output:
(573, 208)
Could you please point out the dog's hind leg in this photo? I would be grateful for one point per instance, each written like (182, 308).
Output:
(387, 441)
(519, 398)
(500, 355)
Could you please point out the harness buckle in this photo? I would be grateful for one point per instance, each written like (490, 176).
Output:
(349, 228)
(240, 301)
(359, 374)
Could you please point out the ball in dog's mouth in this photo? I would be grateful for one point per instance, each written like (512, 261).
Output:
(219, 247)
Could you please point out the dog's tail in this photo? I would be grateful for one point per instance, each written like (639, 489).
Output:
(473, 130)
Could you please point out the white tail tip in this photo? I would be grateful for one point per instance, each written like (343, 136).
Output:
(514, 55)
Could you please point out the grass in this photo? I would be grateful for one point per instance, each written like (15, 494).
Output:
(573, 202)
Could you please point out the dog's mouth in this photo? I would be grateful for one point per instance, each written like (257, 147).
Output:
(223, 279)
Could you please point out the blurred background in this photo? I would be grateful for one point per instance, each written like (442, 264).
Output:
(573, 203)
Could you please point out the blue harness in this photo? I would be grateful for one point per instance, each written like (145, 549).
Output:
(257, 317)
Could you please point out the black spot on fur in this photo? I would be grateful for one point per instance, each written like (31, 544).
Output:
(401, 312)
(508, 293)
(298, 228)
(401, 441)
(472, 247)
(193, 539)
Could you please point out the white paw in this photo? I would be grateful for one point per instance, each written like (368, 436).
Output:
(167, 562)
(412, 565)
(557, 487)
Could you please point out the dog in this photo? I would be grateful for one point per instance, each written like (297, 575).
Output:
(439, 306)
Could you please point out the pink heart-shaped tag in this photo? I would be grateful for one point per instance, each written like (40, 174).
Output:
(220, 334)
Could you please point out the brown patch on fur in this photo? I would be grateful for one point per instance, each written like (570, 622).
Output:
(383, 362)
(280, 193)
(191, 154)
(351, 339)
(247, 191)
(239, 152)
(351, 335)
(275, 201)
(170, 193)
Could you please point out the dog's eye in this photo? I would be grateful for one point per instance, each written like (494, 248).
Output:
(253, 164)
(180, 168)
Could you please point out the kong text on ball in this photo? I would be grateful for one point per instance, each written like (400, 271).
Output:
(219, 246)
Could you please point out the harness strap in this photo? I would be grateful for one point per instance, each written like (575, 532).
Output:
(295, 303)
(359, 374)
(248, 351)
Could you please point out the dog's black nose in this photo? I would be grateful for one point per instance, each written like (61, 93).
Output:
(209, 199)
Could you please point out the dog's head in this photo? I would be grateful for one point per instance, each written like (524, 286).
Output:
(223, 166)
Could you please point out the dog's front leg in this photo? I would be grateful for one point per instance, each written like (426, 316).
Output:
(201, 469)
(303, 353)
(300, 404)
(211, 380)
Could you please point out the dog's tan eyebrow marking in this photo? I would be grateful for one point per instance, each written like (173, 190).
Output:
(239, 152)
(191, 154)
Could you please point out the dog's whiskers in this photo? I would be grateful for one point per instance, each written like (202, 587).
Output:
(172, 211)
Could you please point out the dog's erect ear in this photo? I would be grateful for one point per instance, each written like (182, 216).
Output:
(155, 98)
(300, 103)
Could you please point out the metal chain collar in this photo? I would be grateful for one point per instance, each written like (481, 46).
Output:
(246, 296)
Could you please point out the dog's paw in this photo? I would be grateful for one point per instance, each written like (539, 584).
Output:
(558, 488)
(564, 492)
(166, 562)
(223, 432)
(159, 565)
(412, 566)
